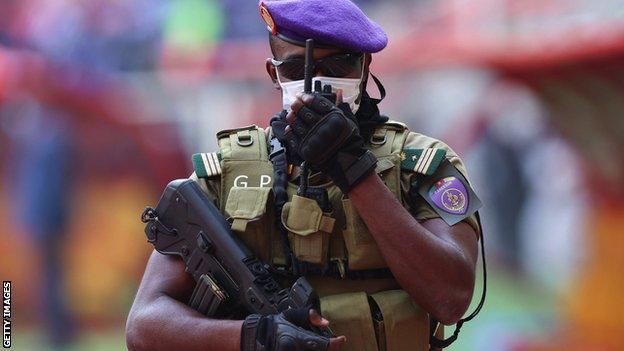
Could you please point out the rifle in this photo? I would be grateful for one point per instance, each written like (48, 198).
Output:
(187, 224)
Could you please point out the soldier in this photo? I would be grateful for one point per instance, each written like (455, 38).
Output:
(383, 225)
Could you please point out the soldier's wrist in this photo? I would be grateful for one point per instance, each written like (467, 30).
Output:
(348, 170)
(249, 333)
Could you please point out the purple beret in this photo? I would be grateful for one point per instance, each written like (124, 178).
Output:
(336, 23)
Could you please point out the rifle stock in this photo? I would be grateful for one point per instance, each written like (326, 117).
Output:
(187, 224)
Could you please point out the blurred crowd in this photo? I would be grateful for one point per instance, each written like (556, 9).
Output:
(118, 36)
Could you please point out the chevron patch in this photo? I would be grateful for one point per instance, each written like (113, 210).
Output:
(207, 165)
(423, 161)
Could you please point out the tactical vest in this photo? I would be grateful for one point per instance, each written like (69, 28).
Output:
(374, 314)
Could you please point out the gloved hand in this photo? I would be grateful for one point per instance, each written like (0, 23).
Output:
(328, 138)
(287, 331)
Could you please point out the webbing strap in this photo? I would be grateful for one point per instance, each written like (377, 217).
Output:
(280, 183)
(441, 344)
(334, 270)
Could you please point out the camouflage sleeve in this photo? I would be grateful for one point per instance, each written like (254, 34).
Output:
(432, 154)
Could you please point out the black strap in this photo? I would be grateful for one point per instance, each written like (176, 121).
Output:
(433, 325)
(279, 158)
(382, 90)
(280, 183)
(368, 115)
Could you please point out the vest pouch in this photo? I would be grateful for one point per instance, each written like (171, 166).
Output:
(309, 229)
(404, 325)
(362, 250)
(350, 315)
(247, 209)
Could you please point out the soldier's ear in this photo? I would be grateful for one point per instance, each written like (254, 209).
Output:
(272, 73)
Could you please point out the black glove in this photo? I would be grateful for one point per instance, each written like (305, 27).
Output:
(280, 333)
(328, 138)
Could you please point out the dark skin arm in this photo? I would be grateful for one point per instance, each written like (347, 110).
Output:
(159, 321)
(433, 262)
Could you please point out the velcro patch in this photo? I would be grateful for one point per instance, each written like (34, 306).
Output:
(422, 161)
(207, 164)
(449, 194)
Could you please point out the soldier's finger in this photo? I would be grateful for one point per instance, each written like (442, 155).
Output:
(336, 344)
(299, 127)
(317, 103)
(290, 117)
(291, 139)
(308, 116)
(295, 106)
(317, 320)
(339, 98)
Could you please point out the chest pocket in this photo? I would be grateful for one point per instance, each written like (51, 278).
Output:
(309, 229)
(362, 250)
(248, 209)
(246, 178)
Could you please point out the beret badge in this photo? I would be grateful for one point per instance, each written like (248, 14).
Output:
(266, 16)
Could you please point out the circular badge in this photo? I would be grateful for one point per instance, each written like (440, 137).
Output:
(453, 200)
(266, 16)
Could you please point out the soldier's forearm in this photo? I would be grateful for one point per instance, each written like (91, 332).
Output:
(432, 268)
(159, 320)
(167, 324)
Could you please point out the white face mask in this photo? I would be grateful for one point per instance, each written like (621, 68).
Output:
(350, 89)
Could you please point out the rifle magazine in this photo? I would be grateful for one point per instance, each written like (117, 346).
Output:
(207, 296)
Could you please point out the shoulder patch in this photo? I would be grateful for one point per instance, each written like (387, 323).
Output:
(207, 164)
(449, 194)
(423, 161)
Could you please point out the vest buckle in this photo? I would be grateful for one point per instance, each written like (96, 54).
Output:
(276, 148)
(340, 264)
(244, 138)
(379, 138)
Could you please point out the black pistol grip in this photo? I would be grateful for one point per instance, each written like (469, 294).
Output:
(303, 295)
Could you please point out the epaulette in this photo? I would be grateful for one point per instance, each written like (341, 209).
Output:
(207, 164)
(395, 124)
(423, 161)
(227, 132)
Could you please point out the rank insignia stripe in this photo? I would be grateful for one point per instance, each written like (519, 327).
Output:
(207, 165)
(423, 161)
